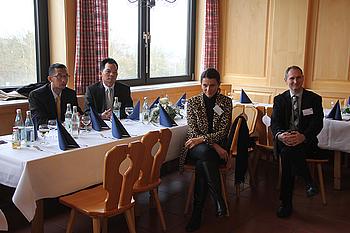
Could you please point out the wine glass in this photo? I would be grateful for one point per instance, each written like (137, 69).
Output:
(43, 130)
(129, 110)
(52, 124)
(86, 120)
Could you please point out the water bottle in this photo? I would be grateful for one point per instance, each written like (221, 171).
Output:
(29, 129)
(145, 111)
(19, 124)
(75, 122)
(116, 107)
(68, 118)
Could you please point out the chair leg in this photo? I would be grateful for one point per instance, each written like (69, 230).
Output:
(159, 208)
(104, 222)
(189, 194)
(252, 165)
(224, 192)
(322, 188)
(96, 224)
(71, 221)
(130, 219)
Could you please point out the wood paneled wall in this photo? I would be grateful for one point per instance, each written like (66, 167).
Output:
(259, 39)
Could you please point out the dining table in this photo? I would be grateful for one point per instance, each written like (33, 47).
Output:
(42, 170)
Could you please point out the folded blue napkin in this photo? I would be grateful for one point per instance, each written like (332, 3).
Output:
(165, 119)
(118, 130)
(178, 103)
(97, 123)
(244, 98)
(135, 115)
(335, 112)
(65, 140)
(154, 103)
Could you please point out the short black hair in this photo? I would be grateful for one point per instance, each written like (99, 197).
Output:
(292, 68)
(53, 67)
(211, 73)
(109, 61)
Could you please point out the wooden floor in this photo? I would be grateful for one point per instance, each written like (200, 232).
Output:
(253, 212)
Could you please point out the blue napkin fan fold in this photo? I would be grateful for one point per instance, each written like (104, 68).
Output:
(178, 103)
(97, 123)
(165, 119)
(65, 140)
(135, 115)
(335, 113)
(154, 103)
(118, 130)
(244, 98)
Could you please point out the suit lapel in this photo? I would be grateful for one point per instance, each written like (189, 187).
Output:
(288, 109)
(203, 113)
(216, 117)
(102, 97)
(51, 103)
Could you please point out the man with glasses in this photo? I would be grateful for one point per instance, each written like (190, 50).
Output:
(100, 96)
(49, 102)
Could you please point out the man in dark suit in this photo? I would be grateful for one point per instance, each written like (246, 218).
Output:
(50, 101)
(297, 119)
(100, 96)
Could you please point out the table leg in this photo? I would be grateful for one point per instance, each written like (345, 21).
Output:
(38, 221)
(337, 170)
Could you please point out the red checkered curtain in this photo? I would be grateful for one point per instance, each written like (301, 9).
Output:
(211, 45)
(91, 41)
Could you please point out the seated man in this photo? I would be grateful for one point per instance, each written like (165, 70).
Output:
(49, 102)
(297, 119)
(100, 96)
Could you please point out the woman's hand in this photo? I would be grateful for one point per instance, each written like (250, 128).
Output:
(194, 142)
(221, 151)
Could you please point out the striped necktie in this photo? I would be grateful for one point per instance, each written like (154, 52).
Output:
(109, 98)
(295, 106)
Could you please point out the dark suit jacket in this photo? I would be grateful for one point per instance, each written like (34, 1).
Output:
(310, 124)
(43, 106)
(95, 97)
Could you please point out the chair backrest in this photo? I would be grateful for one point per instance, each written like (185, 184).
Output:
(150, 169)
(121, 169)
(260, 126)
(233, 136)
(252, 114)
(237, 110)
(269, 131)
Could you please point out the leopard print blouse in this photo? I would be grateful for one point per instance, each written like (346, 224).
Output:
(198, 123)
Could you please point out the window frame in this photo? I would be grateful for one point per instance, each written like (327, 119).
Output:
(42, 49)
(143, 71)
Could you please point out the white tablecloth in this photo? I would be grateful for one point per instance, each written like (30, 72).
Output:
(335, 135)
(51, 172)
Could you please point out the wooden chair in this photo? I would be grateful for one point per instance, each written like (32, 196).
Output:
(121, 169)
(149, 178)
(224, 169)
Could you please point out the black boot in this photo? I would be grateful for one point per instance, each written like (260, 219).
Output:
(214, 184)
(199, 196)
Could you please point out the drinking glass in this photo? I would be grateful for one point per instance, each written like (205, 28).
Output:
(86, 120)
(43, 130)
(52, 124)
(129, 110)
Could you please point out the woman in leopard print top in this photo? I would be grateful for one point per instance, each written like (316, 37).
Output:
(209, 119)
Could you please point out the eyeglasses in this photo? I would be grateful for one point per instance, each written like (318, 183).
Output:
(61, 76)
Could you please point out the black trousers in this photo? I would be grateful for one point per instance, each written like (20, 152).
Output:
(293, 164)
(207, 174)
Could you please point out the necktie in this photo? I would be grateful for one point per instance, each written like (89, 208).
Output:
(109, 98)
(295, 106)
(58, 107)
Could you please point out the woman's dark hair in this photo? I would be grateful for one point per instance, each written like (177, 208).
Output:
(211, 73)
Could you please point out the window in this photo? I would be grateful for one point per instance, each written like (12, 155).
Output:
(20, 60)
(152, 44)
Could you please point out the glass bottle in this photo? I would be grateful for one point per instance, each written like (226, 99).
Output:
(75, 122)
(116, 107)
(19, 124)
(68, 118)
(29, 129)
(145, 111)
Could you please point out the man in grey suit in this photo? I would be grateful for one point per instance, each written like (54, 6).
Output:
(297, 119)
(100, 95)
